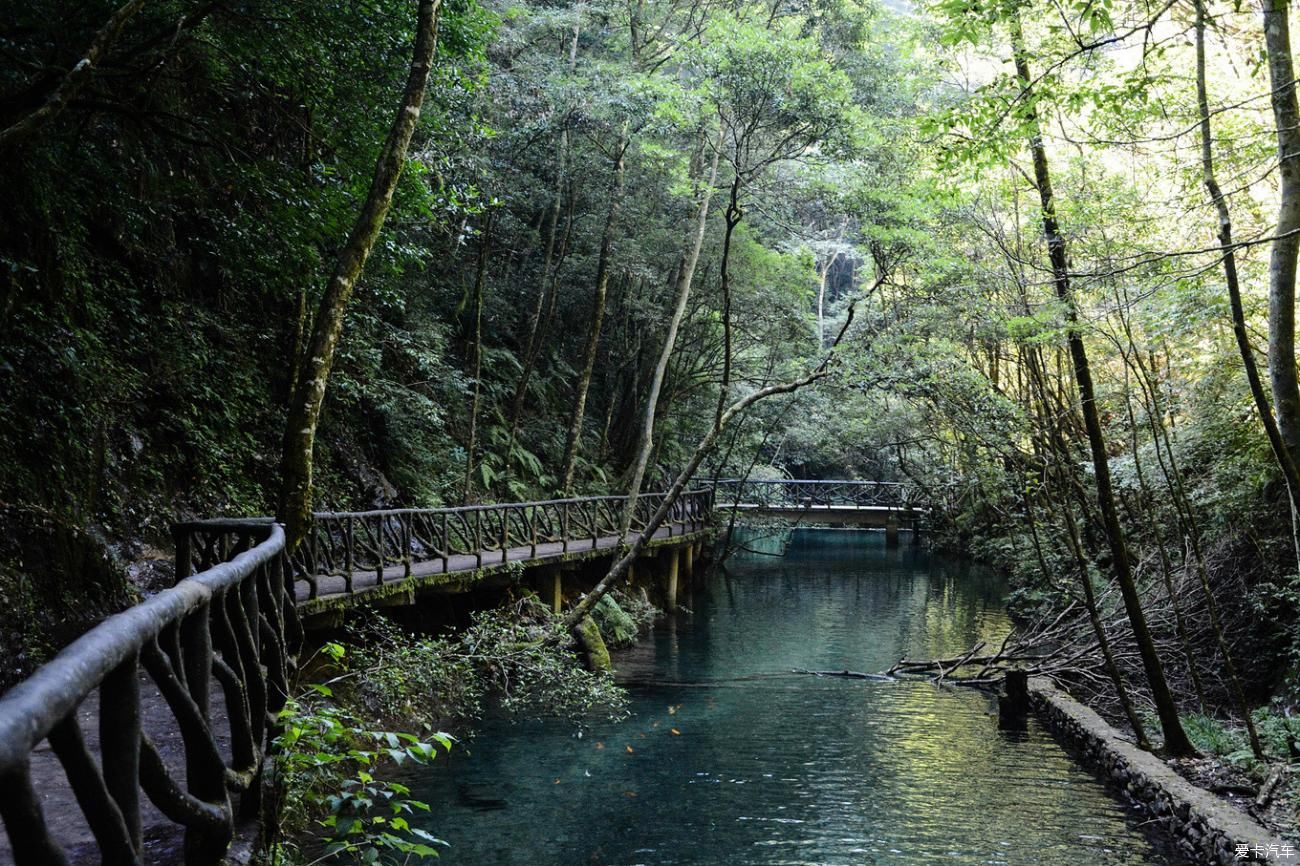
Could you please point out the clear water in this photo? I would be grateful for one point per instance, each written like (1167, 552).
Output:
(730, 758)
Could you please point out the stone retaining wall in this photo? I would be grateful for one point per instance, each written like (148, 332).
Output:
(1202, 827)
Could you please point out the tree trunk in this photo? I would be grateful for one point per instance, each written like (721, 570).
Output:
(821, 305)
(308, 396)
(821, 295)
(1286, 245)
(531, 347)
(1176, 741)
(732, 219)
(685, 275)
(1099, 630)
(1282, 452)
(1166, 567)
(1187, 523)
(573, 442)
(476, 362)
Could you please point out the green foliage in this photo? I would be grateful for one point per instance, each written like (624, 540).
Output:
(1213, 737)
(395, 678)
(1279, 731)
(1277, 600)
(131, 275)
(338, 742)
(499, 661)
(776, 92)
(1278, 734)
(329, 769)
(165, 235)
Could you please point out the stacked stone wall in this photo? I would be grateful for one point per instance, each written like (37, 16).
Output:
(1200, 826)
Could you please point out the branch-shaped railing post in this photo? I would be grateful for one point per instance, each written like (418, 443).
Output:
(349, 552)
(446, 542)
(406, 544)
(564, 526)
(478, 538)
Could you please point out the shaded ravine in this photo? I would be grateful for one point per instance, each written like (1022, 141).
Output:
(731, 759)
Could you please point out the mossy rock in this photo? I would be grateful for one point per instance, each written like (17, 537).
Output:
(587, 633)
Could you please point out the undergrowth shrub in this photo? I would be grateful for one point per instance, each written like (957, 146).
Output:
(513, 659)
(339, 740)
(622, 616)
(333, 804)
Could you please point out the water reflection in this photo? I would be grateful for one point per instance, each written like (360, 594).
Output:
(731, 759)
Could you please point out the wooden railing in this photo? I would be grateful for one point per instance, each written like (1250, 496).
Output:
(343, 544)
(233, 616)
(235, 620)
(795, 493)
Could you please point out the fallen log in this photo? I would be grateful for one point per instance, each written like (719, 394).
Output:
(851, 675)
(1269, 788)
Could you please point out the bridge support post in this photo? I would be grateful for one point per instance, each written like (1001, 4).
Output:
(548, 580)
(891, 529)
(688, 556)
(673, 555)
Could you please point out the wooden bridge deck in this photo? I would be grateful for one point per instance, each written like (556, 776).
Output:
(874, 516)
(817, 507)
(457, 570)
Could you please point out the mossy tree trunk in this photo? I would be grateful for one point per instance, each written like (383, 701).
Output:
(1286, 243)
(1282, 452)
(72, 84)
(295, 501)
(685, 275)
(476, 361)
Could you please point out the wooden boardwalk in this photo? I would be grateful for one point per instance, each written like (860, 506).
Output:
(874, 516)
(454, 573)
(163, 839)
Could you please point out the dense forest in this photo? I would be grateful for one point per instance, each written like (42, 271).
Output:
(1037, 260)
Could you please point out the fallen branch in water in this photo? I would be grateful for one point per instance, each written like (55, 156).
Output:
(851, 675)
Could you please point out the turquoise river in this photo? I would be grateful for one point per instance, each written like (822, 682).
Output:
(730, 758)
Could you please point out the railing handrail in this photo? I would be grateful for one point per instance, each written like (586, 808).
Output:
(234, 624)
(30, 709)
(494, 506)
(350, 543)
